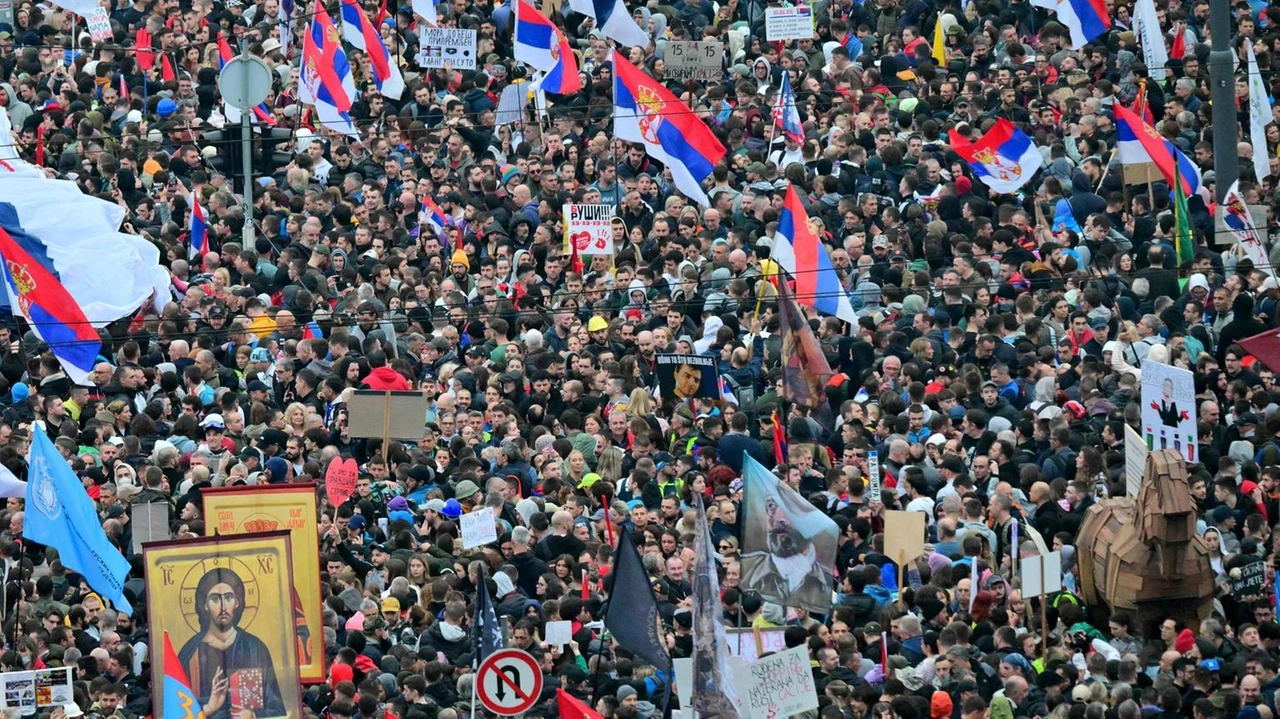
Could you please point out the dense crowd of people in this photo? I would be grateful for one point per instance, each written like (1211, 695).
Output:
(993, 368)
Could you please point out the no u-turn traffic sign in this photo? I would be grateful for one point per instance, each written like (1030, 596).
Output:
(509, 682)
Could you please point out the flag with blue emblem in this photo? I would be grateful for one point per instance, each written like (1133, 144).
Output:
(61, 515)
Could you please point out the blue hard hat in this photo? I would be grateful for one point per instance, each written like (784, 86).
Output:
(452, 509)
(166, 107)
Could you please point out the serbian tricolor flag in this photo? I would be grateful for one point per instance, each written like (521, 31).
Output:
(326, 82)
(180, 701)
(263, 114)
(311, 331)
(124, 87)
(648, 113)
(786, 116)
(798, 250)
(44, 302)
(433, 215)
(1086, 19)
(362, 34)
(1004, 159)
(1139, 143)
(224, 51)
(539, 44)
(199, 232)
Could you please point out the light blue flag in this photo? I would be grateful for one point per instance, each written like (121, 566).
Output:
(1063, 219)
(61, 515)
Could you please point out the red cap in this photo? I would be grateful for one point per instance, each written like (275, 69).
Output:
(1185, 641)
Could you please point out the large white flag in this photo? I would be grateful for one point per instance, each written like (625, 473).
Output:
(109, 273)
(1259, 116)
(1147, 28)
(1239, 221)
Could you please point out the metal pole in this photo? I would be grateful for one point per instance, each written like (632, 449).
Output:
(1222, 84)
(246, 149)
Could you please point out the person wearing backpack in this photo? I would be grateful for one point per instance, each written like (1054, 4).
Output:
(1061, 460)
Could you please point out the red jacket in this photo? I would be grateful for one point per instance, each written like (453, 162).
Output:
(385, 378)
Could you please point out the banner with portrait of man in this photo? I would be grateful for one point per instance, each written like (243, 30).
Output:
(687, 377)
(219, 600)
(789, 546)
(244, 509)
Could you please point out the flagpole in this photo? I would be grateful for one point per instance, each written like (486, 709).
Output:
(475, 674)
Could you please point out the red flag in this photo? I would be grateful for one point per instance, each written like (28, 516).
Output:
(586, 586)
(884, 654)
(383, 15)
(166, 69)
(575, 260)
(146, 56)
(608, 522)
(572, 707)
(40, 145)
(1265, 347)
(1141, 107)
(1179, 48)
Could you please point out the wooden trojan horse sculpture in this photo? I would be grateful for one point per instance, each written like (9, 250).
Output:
(1144, 556)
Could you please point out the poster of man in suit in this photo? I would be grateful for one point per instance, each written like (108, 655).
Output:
(1169, 409)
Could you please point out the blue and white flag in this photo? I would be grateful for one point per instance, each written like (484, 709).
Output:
(61, 515)
(614, 21)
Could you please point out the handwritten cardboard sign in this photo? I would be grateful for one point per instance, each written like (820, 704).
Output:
(779, 685)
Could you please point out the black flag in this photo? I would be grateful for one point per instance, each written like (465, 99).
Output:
(634, 620)
(486, 633)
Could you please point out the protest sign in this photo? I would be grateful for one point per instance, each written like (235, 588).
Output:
(589, 228)
(779, 685)
(1041, 574)
(1249, 580)
(99, 25)
(694, 60)
(1135, 460)
(788, 23)
(687, 376)
(41, 689)
(873, 475)
(749, 644)
(446, 47)
(559, 634)
(340, 480)
(1169, 409)
(903, 535)
(150, 522)
(478, 528)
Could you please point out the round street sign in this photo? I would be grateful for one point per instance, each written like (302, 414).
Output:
(509, 682)
(245, 81)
